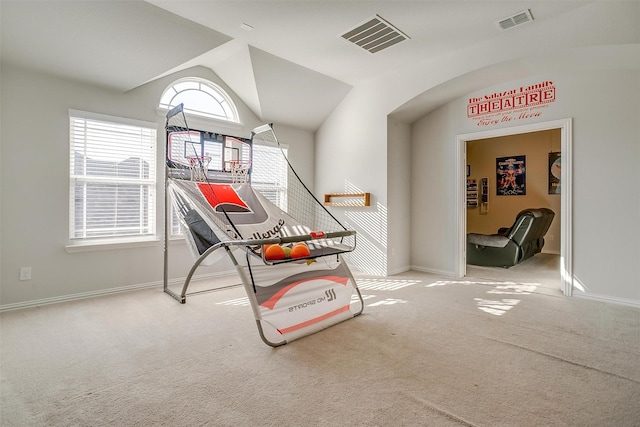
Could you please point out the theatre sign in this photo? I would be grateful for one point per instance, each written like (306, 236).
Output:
(522, 103)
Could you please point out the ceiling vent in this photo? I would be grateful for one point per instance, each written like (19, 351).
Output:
(375, 35)
(515, 20)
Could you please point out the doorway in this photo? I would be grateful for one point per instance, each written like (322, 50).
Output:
(564, 126)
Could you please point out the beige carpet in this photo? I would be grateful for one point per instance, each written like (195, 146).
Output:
(428, 351)
(542, 269)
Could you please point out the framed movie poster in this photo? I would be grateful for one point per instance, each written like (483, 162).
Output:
(511, 178)
(554, 173)
(472, 192)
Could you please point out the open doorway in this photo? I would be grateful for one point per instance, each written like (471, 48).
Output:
(564, 233)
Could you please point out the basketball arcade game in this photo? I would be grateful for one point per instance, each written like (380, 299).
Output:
(288, 255)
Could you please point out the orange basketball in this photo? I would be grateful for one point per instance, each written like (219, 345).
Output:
(274, 252)
(300, 250)
(264, 249)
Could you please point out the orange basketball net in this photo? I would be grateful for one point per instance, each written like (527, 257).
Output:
(239, 171)
(199, 166)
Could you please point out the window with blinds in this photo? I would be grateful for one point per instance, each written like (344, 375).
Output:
(112, 177)
(269, 174)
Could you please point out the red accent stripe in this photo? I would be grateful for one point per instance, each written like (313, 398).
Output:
(271, 302)
(217, 194)
(313, 321)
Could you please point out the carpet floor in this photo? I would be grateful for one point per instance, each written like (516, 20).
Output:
(496, 348)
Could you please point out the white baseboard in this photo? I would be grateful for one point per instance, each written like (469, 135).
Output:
(110, 291)
(433, 271)
(399, 270)
(606, 299)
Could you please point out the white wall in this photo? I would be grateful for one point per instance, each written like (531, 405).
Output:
(434, 193)
(605, 107)
(351, 157)
(351, 145)
(301, 145)
(353, 141)
(399, 192)
(351, 154)
(35, 188)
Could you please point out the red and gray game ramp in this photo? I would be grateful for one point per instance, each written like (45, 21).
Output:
(295, 299)
(289, 257)
(290, 297)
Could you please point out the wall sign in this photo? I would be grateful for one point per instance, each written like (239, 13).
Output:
(524, 102)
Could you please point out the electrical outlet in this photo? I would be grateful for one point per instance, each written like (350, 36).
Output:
(25, 273)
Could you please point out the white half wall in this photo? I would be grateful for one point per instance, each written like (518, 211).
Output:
(399, 193)
(351, 157)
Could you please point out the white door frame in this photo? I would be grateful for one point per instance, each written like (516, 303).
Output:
(566, 241)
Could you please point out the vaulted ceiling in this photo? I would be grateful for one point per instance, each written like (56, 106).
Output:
(286, 59)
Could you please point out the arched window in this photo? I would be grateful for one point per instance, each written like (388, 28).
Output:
(200, 97)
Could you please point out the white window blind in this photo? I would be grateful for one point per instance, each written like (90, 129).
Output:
(112, 177)
(269, 174)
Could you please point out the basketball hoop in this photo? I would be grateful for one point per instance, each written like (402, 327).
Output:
(239, 171)
(199, 165)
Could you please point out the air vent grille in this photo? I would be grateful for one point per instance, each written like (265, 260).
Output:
(375, 35)
(517, 19)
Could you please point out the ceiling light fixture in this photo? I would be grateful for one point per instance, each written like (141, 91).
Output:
(375, 35)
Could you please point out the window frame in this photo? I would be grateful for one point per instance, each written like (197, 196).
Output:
(151, 182)
(231, 117)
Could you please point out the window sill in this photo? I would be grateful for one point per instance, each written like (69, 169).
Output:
(100, 245)
(177, 240)
(204, 123)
